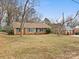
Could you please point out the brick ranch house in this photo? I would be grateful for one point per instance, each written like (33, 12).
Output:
(30, 28)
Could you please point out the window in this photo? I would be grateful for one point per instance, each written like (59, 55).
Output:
(17, 29)
(44, 30)
(39, 30)
(31, 30)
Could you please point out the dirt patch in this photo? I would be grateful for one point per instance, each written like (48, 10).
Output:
(74, 35)
(76, 57)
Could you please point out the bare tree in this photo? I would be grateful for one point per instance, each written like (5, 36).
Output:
(73, 21)
(27, 11)
(61, 26)
(22, 20)
(11, 7)
(70, 21)
(75, 1)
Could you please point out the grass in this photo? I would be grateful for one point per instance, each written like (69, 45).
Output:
(38, 47)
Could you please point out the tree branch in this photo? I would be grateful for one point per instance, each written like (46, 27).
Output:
(76, 14)
(75, 1)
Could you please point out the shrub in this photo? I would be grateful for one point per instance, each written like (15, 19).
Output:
(77, 33)
(9, 30)
(48, 30)
(0, 29)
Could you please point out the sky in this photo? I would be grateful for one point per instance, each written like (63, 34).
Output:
(53, 9)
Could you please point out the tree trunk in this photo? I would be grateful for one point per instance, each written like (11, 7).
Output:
(22, 20)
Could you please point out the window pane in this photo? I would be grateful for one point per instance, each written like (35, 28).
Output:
(28, 30)
(31, 30)
(44, 30)
(17, 29)
(39, 29)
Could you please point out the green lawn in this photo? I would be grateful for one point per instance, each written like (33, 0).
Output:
(38, 47)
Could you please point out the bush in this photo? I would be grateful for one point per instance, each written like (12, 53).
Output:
(48, 31)
(0, 29)
(77, 33)
(9, 30)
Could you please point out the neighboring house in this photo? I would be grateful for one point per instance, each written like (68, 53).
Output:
(76, 30)
(30, 28)
(68, 30)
